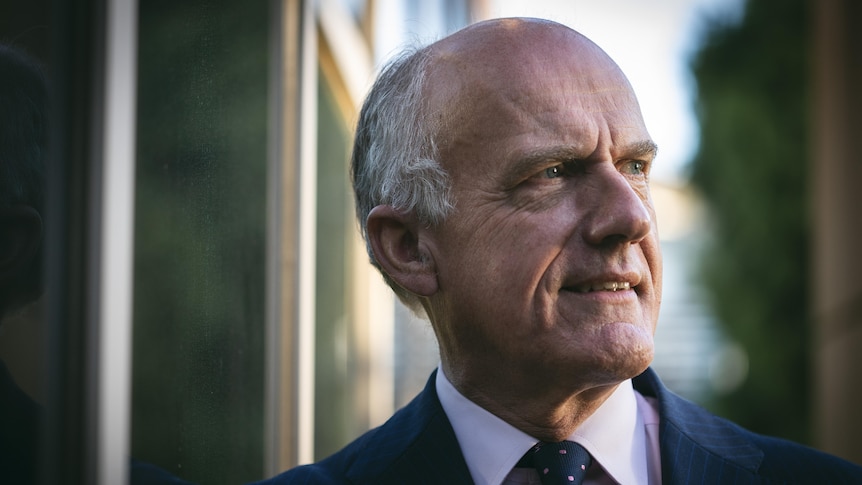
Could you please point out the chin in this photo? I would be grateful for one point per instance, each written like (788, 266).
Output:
(624, 358)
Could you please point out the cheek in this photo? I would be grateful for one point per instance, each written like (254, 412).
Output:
(501, 260)
(519, 249)
(652, 254)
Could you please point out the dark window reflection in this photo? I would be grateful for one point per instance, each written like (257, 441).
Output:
(23, 133)
(200, 234)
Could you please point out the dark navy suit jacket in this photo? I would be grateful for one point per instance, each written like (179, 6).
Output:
(418, 446)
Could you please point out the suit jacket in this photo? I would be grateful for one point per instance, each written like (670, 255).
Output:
(418, 446)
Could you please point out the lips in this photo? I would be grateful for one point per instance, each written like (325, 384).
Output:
(600, 286)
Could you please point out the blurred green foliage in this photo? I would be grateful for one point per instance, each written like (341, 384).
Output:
(200, 234)
(752, 166)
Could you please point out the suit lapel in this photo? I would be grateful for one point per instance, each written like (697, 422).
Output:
(417, 442)
(697, 447)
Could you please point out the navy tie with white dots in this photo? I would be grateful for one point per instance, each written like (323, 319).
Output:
(562, 463)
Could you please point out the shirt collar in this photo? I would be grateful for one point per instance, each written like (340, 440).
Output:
(613, 434)
(615, 437)
(491, 446)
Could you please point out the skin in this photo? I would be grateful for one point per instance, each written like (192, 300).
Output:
(549, 158)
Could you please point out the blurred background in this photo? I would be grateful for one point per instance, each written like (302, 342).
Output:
(259, 336)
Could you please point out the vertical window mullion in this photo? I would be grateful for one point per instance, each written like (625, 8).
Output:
(291, 318)
(116, 241)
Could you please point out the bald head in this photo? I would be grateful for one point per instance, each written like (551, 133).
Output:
(511, 60)
(497, 43)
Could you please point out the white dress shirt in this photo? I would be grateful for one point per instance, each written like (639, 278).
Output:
(621, 436)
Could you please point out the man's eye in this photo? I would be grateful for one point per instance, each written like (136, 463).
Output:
(555, 171)
(563, 169)
(634, 167)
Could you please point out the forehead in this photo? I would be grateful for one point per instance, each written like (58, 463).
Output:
(531, 82)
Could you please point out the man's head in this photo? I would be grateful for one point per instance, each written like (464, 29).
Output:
(23, 131)
(394, 158)
(543, 253)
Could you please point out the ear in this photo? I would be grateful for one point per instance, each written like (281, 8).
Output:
(400, 248)
(20, 237)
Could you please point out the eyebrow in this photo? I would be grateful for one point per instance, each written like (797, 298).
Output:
(528, 162)
(640, 149)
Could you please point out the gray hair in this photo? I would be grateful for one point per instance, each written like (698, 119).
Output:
(394, 159)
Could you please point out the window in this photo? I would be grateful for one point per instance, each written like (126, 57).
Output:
(200, 239)
(207, 292)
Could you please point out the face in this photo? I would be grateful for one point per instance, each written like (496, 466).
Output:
(550, 260)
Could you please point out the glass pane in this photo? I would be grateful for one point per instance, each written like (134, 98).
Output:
(335, 421)
(200, 239)
(24, 58)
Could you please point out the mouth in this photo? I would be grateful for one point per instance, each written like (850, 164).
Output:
(612, 286)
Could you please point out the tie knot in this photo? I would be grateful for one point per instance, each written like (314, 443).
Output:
(562, 463)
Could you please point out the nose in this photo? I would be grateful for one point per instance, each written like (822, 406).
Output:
(619, 213)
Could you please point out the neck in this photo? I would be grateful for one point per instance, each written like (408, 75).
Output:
(547, 412)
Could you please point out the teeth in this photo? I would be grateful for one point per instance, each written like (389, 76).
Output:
(610, 286)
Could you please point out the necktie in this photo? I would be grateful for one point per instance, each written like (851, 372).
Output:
(562, 463)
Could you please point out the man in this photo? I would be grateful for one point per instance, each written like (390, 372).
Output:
(501, 179)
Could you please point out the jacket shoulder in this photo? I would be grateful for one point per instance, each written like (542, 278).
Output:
(417, 441)
(693, 440)
(786, 461)
(316, 474)
(332, 470)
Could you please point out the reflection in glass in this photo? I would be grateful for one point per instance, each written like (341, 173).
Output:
(198, 364)
(23, 130)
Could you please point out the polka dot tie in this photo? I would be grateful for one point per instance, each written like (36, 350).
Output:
(562, 463)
